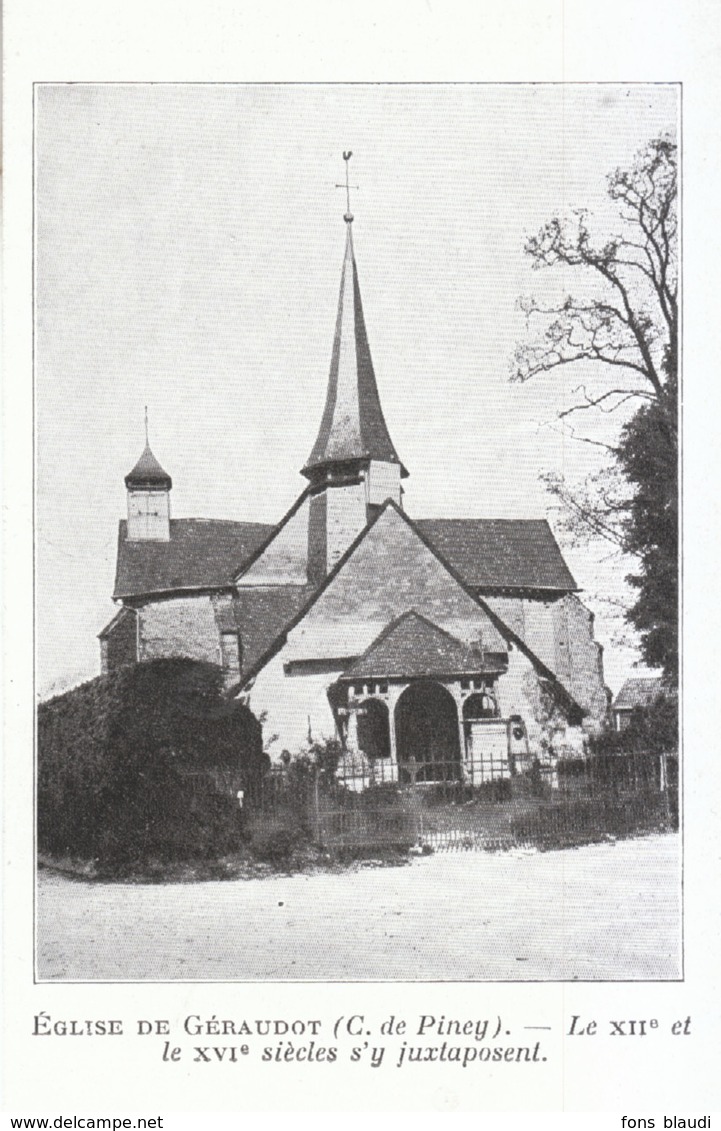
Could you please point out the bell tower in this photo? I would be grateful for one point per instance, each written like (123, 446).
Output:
(353, 467)
(148, 487)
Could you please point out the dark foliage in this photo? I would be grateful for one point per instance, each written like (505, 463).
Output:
(648, 456)
(145, 763)
(654, 729)
(585, 820)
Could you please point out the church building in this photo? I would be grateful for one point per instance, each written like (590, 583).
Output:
(433, 641)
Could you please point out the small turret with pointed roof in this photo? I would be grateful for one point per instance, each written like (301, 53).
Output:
(148, 497)
(148, 473)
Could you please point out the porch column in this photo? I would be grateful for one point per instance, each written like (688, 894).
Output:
(394, 694)
(455, 690)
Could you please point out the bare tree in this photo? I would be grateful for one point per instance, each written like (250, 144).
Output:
(624, 330)
(629, 327)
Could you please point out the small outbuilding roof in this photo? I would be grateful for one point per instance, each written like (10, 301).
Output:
(412, 646)
(638, 693)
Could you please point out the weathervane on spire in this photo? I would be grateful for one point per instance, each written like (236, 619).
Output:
(147, 441)
(348, 214)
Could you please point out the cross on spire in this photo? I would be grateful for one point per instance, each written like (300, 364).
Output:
(347, 154)
(147, 441)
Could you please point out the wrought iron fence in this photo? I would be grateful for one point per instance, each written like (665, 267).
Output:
(444, 805)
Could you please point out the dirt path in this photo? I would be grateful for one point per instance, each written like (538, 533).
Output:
(603, 911)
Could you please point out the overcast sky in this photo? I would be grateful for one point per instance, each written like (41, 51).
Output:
(189, 242)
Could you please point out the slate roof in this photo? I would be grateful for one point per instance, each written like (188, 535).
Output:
(202, 553)
(352, 426)
(263, 615)
(637, 693)
(119, 616)
(500, 553)
(148, 472)
(210, 553)
(412, 646)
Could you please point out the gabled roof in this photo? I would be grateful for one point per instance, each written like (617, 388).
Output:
(500, 553)
(148, 472)
(263, 614)
(210, 553)
(202, 553)
(352, 426)
(275, 645)
(638, 693)
(117, 619)
(413, 646)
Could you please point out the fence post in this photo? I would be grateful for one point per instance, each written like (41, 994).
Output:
(316, 804)
(663, 783)
(412, 770)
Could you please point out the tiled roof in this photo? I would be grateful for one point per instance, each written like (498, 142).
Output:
(262, 615)
(148, 472)
(637, 693)
(202, 553)
(352, 426)
(500, 553)
(119, 616)
(414, 646)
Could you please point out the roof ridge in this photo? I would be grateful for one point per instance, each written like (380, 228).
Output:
(226, 521)
(273, 533)
(507, 521)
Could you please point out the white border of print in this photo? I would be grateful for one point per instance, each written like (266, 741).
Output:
(488, 41)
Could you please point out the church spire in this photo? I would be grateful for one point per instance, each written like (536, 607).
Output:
(353, 430)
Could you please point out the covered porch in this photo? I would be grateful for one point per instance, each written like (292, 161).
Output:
(420, 707)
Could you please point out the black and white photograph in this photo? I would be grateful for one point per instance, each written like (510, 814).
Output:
(357, 532)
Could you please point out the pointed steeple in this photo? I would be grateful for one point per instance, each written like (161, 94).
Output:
(352, 430)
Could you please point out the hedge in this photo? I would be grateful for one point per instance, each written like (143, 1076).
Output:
(145, 763)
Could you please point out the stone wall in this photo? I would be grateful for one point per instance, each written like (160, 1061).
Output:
(179, 626)
(574, 624)
(346, 516)
(559, 630)
(120, 645)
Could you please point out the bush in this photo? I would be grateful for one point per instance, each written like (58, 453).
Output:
(653, 728)
(496, 790)
(275, 839)
(584, 820)
(145, 762)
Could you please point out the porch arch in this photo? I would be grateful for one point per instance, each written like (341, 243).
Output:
(426, 723)
(374, 734)
(480, 705)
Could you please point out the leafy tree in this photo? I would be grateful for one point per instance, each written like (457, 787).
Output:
(624, 329)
